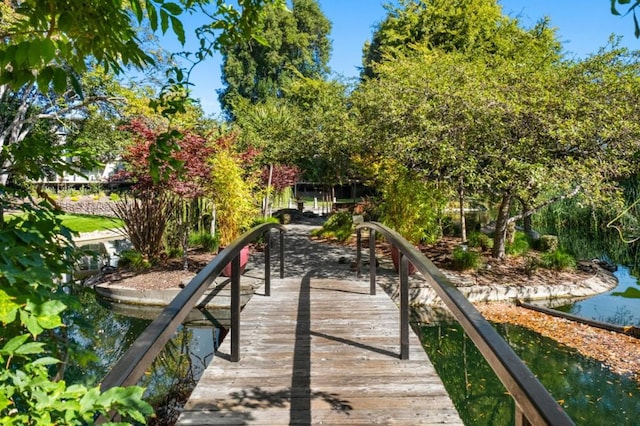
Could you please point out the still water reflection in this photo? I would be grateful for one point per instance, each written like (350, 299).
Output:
(589, 392)
(620, 306)
(99, 337)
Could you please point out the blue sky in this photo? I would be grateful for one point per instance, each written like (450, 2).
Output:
(583, 27)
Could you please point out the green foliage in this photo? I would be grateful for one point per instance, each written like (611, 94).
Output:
(558, 260)
(455, 104)
(547, 243)
(459, 25)
(36, 250)
(632, 6)
(479, 239)
(411, 206)
(312, 110)
(261, 220)
(520, 245)
(49, 43)
(45, 51)
(294, 43)
(338, 226)
(232, 193)
(134, 259)
(205, 240)
(114, 196)
(464, 259)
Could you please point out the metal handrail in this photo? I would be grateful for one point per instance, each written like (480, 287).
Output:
(534, 404)
(132, 365)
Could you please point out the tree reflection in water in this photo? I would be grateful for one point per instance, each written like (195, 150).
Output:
(98, 337)
(589, 392)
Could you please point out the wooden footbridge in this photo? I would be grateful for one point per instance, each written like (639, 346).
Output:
(320, 351)
(317, 350)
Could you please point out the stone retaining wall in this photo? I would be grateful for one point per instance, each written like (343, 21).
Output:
(93, 207)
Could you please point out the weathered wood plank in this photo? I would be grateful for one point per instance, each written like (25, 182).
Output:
(320, 352)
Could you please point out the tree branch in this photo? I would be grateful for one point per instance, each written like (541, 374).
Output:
(550, 201)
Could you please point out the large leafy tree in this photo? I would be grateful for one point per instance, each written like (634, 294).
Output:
(294, 43)
(45, 51)
(475, 27)
(307, 127)
(515, 124)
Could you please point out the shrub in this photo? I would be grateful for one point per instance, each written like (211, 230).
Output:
(548, 243)
(464, 259)
(145, 220)
(338, 226)
(479, 239)
(232, 192)
(531, 265)
(261, 220)
(411, 205)
(558, 260)
(205, 240)
(174, 252)
(133, 259)
(520, 245)
(114, 196)
(447, 225)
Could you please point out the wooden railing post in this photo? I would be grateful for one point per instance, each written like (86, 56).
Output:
(235, 309)
(267, 265)
(372, 261)
(404, 306)
(521, 419)
(358, 252)
(281, 254)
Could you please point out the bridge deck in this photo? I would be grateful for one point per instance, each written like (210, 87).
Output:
(320, 351)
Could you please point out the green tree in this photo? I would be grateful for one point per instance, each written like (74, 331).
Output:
(309, 127)
(46, 49)
(517, 126)
(293, 43)
(474, 27)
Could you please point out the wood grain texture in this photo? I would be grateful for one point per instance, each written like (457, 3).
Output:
(320, 351)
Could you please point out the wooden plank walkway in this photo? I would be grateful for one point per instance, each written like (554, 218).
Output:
(320, 351)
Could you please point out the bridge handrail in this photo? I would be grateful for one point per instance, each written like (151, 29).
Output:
(132, 365)
(534, 404)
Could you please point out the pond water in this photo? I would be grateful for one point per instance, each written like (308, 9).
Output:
(99, 337)
(99, 253)
(590, 394)
(620, 306)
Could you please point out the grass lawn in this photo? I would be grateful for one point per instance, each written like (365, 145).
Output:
(89, 223)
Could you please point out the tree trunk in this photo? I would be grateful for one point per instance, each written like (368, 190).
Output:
(501, 227)
(463, 220)
(511, 232)
(528, 226)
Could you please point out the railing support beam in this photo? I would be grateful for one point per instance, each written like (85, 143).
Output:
(281, 254)
(404, 307)
(235, 309)
(372, 262)
(267, 265)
